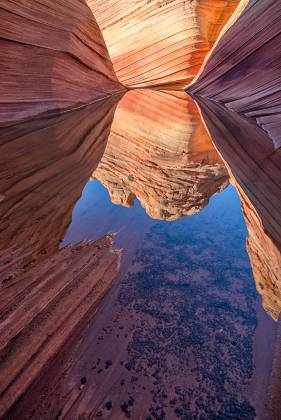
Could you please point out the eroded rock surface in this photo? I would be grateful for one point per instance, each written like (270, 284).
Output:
(53, 58)
(159, 151)
(159, 42)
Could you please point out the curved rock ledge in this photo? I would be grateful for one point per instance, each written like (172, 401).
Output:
(52, 57)
(41, 310)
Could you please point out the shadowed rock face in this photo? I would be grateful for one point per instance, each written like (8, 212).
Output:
(53, 58)
(243, 70)
(160, 152)
(255, 168)
(160, 42)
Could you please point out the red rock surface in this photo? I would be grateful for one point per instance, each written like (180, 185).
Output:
(255, 168)
(159, 151)
(159, 42)
(243, 70)
(52, 57)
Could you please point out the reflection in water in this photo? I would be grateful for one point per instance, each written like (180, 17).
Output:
(255, 167)
(159, 151)
(47, 295)
(181, 334)
(44, 167)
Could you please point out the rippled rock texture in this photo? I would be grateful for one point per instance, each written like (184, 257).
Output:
(243, 70)
(160, 42)
(159, 151)
(52, 57)
(255, 168)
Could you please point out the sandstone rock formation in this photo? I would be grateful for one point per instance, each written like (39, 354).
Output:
(255, 168)
(159, 151)
(243, 70)
(42, 310)
(160, 43)
(52, 57)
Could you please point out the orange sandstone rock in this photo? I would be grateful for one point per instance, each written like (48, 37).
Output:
(160, 43)
(44, 310)
(48, 295)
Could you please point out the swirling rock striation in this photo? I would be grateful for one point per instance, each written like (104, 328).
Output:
(52, 57)
(159, 151)
(160, 43)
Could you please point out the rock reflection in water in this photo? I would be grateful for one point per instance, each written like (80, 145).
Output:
(255, 167)
(47, 295)
(182, 333)
(159, 151)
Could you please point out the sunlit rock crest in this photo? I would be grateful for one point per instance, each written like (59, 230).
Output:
(159, 151)
(160, 43)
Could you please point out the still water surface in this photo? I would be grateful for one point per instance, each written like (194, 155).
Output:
(183, 326)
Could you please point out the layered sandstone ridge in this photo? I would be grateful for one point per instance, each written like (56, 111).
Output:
(243, 70)
(160, 43)
(255, 168)
(159, 151)
(41, 310)
(53, 58)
